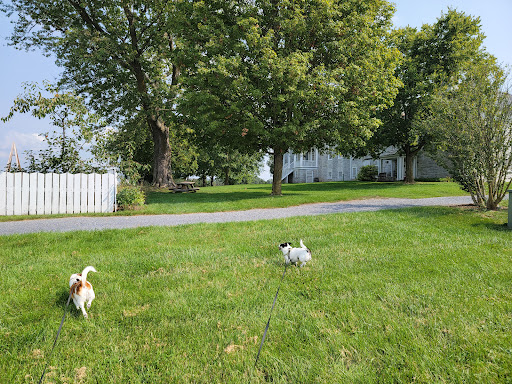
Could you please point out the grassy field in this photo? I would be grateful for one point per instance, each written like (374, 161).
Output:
(242, 197)
(418, 295)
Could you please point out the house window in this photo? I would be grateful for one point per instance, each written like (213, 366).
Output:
(309, 176)
(341, 176)
(329, 175)
(354, 172)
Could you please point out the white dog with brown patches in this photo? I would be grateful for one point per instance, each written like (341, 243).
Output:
(81, 290)
(295, 255)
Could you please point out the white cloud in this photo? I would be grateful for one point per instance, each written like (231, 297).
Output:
(23, 142)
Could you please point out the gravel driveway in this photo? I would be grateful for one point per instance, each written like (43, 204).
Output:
(114, 222)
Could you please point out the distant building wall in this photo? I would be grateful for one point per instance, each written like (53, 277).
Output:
(427, 168)
(332, 167)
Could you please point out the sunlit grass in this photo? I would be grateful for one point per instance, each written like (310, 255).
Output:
(417, 295)
(242, 197)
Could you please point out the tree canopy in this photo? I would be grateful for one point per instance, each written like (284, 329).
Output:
(432, 57)
(73, 125)
(279, 75)
(471, 124)
(123, 55)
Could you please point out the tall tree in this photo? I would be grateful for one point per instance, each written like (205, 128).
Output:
(432, 57)
(129, 146)
(122, 54)
(73, 124)
(472, 128)
(288, 74)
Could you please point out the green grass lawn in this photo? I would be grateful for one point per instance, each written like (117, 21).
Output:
(417, 295)
(243, 197)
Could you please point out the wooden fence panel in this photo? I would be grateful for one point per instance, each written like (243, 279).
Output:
(83, 193)
(10, 194)
(3, 194)
(104, 192)
(70, 193)
(97, 192)
(37, 193)
(47, 194)
(32, 204)
(25, 193)
(90, 193)
(62, 192)
(17, 193)
(76, 192)
(112, 191)
(40, 193)
(55, 189)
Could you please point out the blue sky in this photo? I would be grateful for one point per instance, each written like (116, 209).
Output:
(17, 67)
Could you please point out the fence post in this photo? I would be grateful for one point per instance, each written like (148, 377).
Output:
(509, 209)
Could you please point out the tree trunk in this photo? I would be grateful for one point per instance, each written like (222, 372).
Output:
(162, 174)
(409, 171)
(226, 176)
(278, 172)
(491, 204)
(227, 168)
(409, 164)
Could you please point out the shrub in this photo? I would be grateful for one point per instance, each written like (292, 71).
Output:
(130, 197)
(368, 173)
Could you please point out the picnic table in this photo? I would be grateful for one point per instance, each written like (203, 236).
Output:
(185, 186)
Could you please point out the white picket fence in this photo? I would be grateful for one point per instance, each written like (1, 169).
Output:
(51, 193)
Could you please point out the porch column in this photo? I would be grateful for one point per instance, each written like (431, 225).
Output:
(400, 168)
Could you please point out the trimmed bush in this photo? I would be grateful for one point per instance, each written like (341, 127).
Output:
(368, 173)
(130, 197)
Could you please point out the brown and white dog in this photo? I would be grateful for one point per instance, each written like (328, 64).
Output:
(295, 255)
(81, 290)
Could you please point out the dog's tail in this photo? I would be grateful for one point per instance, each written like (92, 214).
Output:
(302, 244)
(85, 272)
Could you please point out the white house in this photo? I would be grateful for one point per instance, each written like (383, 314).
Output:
(326, 166)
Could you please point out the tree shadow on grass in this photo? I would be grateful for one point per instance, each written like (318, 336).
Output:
(456, 211)
(494, 227)
(426, 212)
(341, 186)
(255, 192)
(205, 198)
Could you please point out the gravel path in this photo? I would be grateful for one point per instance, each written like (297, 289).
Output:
(100, 223)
